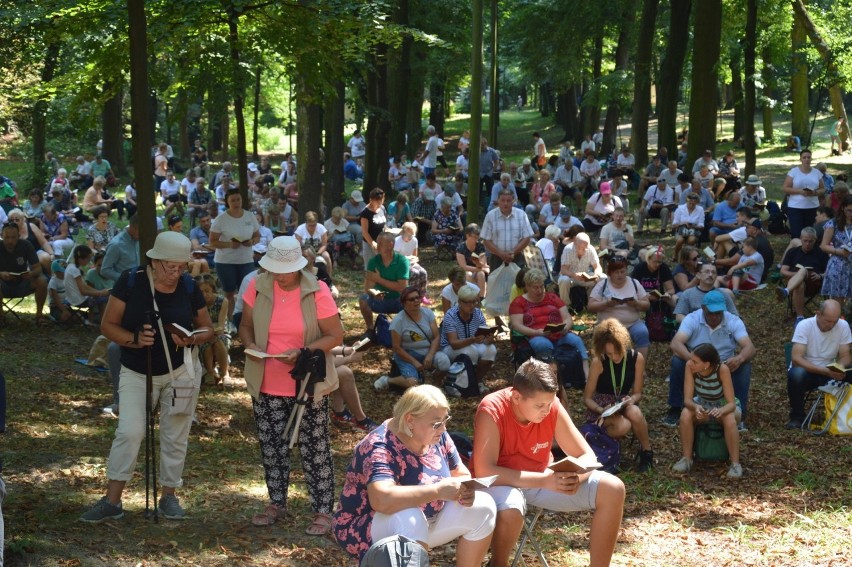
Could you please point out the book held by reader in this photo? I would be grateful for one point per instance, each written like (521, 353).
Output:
(261, 354)
(485, 331)
(656, 293)
(588, 277)
(182, 331)
(235, 239)
(554, 327)
(479, 483)
(613, 409)
(581, 464)
(837, 367)
(375, 292)
(361, 343)
(709, 252)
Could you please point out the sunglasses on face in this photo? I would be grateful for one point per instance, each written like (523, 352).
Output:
(443, 423)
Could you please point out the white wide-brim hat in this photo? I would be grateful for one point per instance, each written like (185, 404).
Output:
(283, 256)
(171, 247)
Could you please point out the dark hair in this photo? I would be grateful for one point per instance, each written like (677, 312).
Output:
(840, 218)
(708, 353)
(13, 225)
(519, 278)
(82, 251)
(99, 210)
(683, 177)
(827, 211)
(616, 264)
(431, 175)
(174, 219)
(377, 193)
(534, 376)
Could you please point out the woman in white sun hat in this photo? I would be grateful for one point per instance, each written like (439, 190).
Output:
(163, 287)
(286, 310)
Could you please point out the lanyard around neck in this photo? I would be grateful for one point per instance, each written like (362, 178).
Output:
(617, 391)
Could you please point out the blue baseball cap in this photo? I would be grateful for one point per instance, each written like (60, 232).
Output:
(714, 301)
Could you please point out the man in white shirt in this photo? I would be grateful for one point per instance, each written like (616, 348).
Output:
(570, 182)
(587, 144)
(669, 176)
(590, 169)
(171, 194)
(657, 204)
(357, 145)
(706, 159)
(817, 342)
(81, 177)
(506, 231)
(430, 156)
(463, 163)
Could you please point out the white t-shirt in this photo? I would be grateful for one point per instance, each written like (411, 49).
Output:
(457, 200)
(546, 247)
(626, 160)
(238, 302)
(802, 181)
(357, 147)
(188, 186)
(228, 228)
(314, 239)
(755, 271)
(564, 224)
(72, 290)
(169, 188)
(614, 235)
(738, 234)
(58, 285)
(669, 177)
(540, 148)
(462, 164)
(821, 348)
(657, 193)
(130, 192)
(451, 296)
(405, 248)
(696, 217)
(432, 147)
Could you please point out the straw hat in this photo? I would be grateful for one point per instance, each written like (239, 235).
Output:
(283, 256)
(171, 247)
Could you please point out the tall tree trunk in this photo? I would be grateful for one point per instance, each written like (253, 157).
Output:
(376, 164)
(225, 131)
(834, 80)
(398, 77)
(799, 83)
(184, 144)
(737, 93)
(622, 52)
(567, 113)
(112, 131)
(308, 141)
(642, 82)
(140, 120)
(239, 102)
(749, 104)
(255, 155)
(436, 106)
(767, 73)
(671, 73)
(593, 118)
(414, 106)
(703, 102)
(39, 116)
(475, 110)
(494, 104)
(334, 117)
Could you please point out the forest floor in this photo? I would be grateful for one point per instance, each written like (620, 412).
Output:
(792, 507)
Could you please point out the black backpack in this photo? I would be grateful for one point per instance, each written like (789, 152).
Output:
(395, 551)
(464, 445)
(569, 367)
(777, 223)
(463, 381)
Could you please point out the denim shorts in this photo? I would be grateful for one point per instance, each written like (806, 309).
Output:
(381, 305)
(231, 275)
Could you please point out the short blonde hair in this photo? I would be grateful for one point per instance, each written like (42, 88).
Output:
(311, 216)
(467, 293)
(534, 276)
(416, 401)
(409, 227)
(337, 213)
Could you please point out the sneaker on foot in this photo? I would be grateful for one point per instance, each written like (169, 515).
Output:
(102, 511)
(781, 293)
(646, 461)
(343, 420)
(170, 507)
(452, 391)
(736, 471)
(672, 418)
(741, 427)
(365, 424)
(684, 465)
(382, 383)
(794, 423)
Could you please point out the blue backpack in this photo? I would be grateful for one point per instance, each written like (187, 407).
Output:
(607, 449)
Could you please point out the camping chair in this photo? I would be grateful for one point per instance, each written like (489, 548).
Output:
(10, 303)
(535, 259)
(837, 388)
(809, 302)
(529, 529)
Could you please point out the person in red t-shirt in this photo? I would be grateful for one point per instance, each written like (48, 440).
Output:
(513, 433)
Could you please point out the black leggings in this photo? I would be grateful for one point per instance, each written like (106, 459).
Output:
(271, 414)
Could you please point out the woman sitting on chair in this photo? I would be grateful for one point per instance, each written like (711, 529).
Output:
(616, 375)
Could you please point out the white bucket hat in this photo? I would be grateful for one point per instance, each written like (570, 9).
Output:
(283, 256)
(252, 167)
(171, 247)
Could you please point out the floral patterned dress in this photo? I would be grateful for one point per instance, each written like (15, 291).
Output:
(838, 273)
(446, 221)
(382, 456)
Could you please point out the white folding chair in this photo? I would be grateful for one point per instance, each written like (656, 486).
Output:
(529, 529)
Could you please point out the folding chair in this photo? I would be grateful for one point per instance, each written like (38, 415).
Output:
(840, 390)
(529, 528)
(10, 303)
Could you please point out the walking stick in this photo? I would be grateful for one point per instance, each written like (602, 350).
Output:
(150, 454)
(309, 369)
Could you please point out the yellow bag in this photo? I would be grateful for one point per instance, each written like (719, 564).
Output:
(842, 422)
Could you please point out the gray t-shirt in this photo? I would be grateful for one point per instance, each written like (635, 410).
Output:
(416, 335)
(690, 300)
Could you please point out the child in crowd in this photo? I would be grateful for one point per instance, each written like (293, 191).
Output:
(746, 274)
(216, 353)
(77, 292)
(407, 245)
(56, 293)
(725, 242)
(708, 395)
(94, 277)
(130, 198)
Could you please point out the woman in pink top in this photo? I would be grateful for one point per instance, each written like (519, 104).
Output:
(540, 194)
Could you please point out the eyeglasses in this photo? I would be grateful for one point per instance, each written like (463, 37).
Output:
(694, 259)
(172, 268)
(443, 423)
(412, 298)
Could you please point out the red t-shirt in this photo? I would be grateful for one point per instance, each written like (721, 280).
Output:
(286, 331)
(522, 447)
(537, 315)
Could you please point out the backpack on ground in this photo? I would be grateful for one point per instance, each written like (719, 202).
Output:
(383, 333)
(569, 367)
(395, 551)
(464, 445)
(777, 223)
(607, 449)
(461, 379)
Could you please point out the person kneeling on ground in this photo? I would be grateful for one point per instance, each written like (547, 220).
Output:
(513, 434)
(405, 478)
(616, 375)
(709, 396)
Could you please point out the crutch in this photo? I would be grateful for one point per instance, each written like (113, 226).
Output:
(309, 369)
(150, 454)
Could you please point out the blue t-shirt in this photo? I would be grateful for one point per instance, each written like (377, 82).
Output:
(382, 456)
(725, 214)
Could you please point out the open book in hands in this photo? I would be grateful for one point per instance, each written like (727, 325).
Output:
(479, 483)
(375, 292)
(588, 277)
(837, 367)
(485, 331)
(554, 327)
(181, 331)
(656, 293)
(709, 252)
(613, 409)
(261, 354)
(581, 464)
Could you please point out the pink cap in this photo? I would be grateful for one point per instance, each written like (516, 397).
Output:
(606, 188)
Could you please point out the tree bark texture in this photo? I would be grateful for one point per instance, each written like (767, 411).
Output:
(39, 115)
(750, 100)
(622, 53)
(239, 102)
(376, 164)
(437, 95)
(473, 212)
(494, 104)
(737, 100)
(334, 117)
(671, 73)
(642, 82)
(112, 131)
(308, 142)
(414, 106)
(799, 83)
(399, 74)
(256, 114)
(593, 117)
(767, 73)
(703, 103)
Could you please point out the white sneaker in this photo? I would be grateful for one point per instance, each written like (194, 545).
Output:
(382, 383)
(684, 465)
(736, 471)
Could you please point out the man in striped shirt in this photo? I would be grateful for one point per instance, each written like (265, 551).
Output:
(506, 231)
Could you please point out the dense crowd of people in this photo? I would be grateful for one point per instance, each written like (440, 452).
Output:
(556, 242)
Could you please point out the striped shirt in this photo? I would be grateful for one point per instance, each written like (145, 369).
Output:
(464, 330)
(506, 231)
(709, 388)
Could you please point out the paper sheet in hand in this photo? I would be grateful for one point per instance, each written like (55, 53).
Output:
(480, 483)
(261, 354)
(574, 464)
